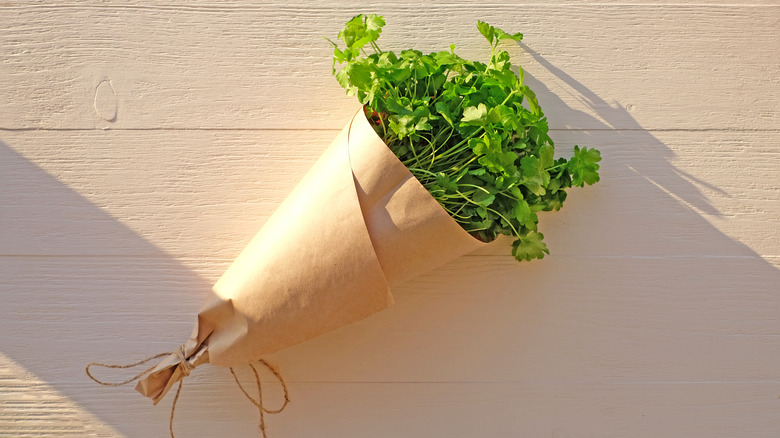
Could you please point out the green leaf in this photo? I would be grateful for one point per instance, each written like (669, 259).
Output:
(529, 246)
(474, 115)
(546, 156)
(343, 79)
(445, 183)
(503, 115)
(409, 125)
(361, 30)
(374, 24)
(487, 31)
(507, 78)
(359, 76)
(505, 36)
(498, 161)
(535, 177)
(524, 215)
(483, 198)
(537, 132)
(394, 106)
(583, 166)
(443, 109)
(530, 97)
(386, 60)
(479, 146)
(554, 201)
(446, 58)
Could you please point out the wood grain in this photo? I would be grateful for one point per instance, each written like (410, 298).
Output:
(267, 66)
(32, 408)
(677, 326)
(476, 319)
(141, 147)
(200, 194)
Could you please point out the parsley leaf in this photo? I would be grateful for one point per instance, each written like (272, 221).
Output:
(583, 166)
(530, 246)
(474, 116)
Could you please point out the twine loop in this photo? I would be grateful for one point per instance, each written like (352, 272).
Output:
(259, 402)
(132, 365)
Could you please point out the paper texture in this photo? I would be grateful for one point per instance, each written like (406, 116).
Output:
(356, 224)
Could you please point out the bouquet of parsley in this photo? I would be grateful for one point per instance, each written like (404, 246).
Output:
(446, 155)
(462, 129)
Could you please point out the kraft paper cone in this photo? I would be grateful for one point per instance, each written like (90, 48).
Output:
(356, 224)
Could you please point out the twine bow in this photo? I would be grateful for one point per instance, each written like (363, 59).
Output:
(186, 367)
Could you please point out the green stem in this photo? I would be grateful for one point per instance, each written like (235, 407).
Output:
(556, 166)
(493, 211)
(507, 221)
(414, 152)
(460, 146)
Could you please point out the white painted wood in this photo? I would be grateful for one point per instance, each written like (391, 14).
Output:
(141, 146)
(30, 407)
(667, 193)
(480, 318)
(474, 325)
(267, 66)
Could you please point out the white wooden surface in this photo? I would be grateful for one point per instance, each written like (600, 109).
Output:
(142, 146)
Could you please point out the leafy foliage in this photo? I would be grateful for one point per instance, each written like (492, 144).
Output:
(470, 132)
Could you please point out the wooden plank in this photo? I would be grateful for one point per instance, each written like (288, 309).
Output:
(198, 194)
(32, 408)
(576, 345)
(266, 66)
(351, 409)
(505, 409)
(476, 319)
(565, 410)
(201, 5)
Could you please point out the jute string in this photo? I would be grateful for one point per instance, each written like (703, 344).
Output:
(259, 402)
(186, 368)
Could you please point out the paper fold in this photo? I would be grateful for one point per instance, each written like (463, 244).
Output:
(356, 224)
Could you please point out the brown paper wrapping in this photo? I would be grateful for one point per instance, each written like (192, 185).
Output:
(356, 224)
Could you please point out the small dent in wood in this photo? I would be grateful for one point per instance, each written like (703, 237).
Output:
(105, 101)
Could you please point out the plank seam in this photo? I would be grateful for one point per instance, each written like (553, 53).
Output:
(227, 260)
(692, 130)
(287, 7)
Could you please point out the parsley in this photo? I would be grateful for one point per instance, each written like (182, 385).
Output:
(470, 132)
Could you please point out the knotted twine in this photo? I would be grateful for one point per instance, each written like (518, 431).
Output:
(186, 368)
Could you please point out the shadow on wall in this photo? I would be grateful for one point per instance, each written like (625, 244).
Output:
(77, 285)
(650, 207)
(644, 158)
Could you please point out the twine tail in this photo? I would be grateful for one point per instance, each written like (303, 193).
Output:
(260, 408)
(186, 368)
(259, 402)
(173, 407)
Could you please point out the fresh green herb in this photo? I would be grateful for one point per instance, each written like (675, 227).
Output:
(470, 132)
